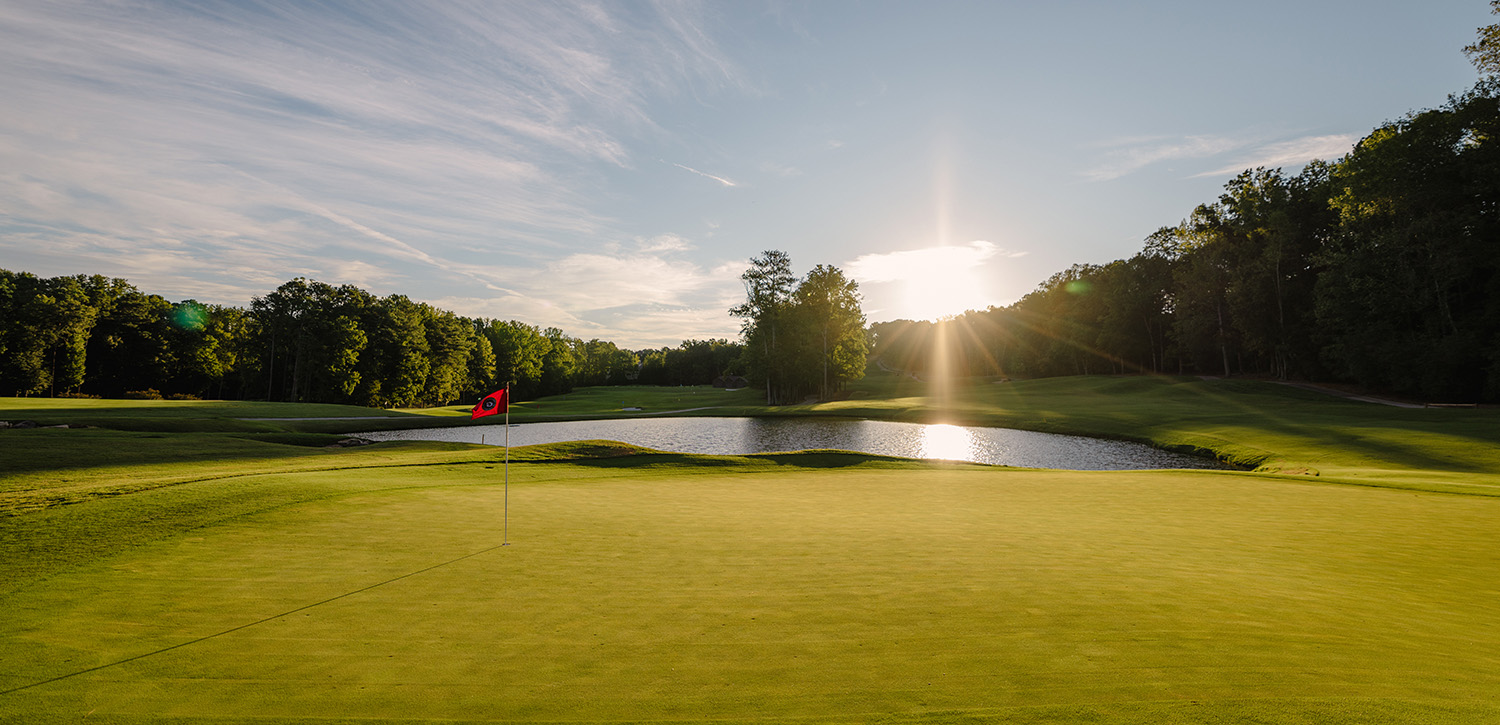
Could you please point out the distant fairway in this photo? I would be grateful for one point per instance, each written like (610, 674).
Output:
(179, 564)
(762, 590)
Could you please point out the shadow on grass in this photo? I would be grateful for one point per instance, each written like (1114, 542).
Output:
(825, 458)
(613, 454)
(1380, 443)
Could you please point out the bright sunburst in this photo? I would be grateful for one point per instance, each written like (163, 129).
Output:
(927, 284)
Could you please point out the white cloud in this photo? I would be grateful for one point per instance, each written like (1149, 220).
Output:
(1127, 156)
(665, 243)
(223, 151)
(513, 306)
(1295, 152)
(638, 299)
(633, 326)
(595, 281)
(1130, 155)
(644, 327)
(704, 174)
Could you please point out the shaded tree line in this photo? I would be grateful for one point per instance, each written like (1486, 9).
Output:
(306, 341)
(1380, 269)
(801, 337)
(65, 334)
(694, 362)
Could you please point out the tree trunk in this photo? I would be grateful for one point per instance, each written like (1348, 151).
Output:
(1223, 341)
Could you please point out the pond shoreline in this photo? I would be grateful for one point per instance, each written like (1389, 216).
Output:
(747, 435)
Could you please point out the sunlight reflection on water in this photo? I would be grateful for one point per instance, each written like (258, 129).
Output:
(948, 442)
(738, 436)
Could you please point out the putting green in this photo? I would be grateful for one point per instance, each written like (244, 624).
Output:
(933, 594)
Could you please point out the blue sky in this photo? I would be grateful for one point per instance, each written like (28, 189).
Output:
(609, 168)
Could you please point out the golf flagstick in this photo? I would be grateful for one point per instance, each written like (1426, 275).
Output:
(505, 540)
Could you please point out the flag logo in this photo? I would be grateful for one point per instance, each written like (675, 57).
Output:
(493, 404)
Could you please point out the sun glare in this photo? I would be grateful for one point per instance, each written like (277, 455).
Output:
(930, 283)
(939, 291)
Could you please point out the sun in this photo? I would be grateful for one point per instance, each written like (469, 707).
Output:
(929, 283)
(941, 291)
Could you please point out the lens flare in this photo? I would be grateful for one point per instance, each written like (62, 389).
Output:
(189, 316)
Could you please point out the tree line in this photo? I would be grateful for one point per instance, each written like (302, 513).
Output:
(1380, 269)
(802, 338)
(306, 341)
(310, 341)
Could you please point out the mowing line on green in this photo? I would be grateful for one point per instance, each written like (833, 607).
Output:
(232, 630)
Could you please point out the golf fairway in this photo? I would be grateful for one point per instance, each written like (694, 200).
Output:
(925, 593)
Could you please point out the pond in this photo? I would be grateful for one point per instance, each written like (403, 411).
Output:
(738, 436)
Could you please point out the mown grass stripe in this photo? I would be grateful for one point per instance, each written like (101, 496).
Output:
(232, 630)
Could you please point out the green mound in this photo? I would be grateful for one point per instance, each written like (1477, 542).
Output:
(578, 450)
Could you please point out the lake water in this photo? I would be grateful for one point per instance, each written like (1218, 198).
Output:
(739, 436)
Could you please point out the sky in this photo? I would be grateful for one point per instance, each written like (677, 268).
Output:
(610, 168)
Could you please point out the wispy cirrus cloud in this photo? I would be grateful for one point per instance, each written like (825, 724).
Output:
(1128, 156)
(1295, 152)
(704, 174)
(665, 243)
(215, 150)
(644, 298)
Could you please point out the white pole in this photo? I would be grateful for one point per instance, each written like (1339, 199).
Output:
(506, 540)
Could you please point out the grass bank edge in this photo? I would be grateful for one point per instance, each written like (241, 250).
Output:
(1253, 425)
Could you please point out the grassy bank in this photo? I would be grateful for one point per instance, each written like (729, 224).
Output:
(1261, 425)
(1258, 425)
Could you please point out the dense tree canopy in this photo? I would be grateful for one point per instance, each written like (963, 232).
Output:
(803, 340)
(694, 362)
(304, 341)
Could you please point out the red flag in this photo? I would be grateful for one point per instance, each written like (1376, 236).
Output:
(493, 404)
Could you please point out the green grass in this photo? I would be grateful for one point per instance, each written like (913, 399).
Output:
(200, 416)
(252, 575)
(765, 588)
